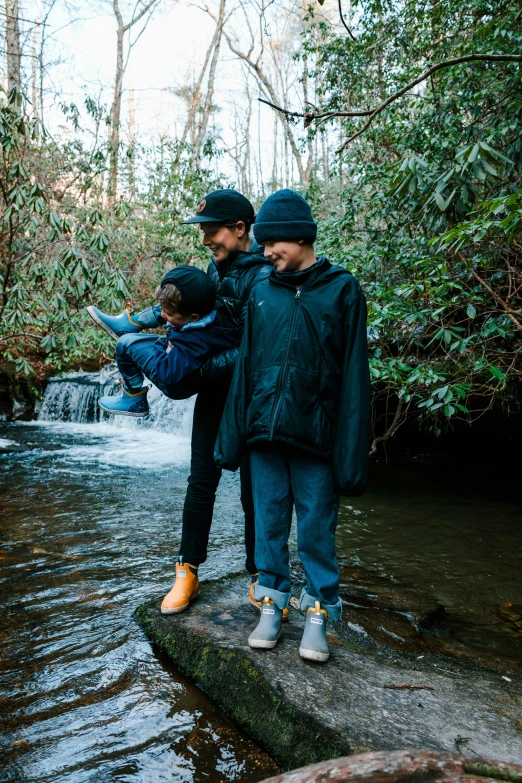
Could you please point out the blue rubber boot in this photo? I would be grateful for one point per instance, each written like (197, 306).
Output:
(115, 325)
(268, 630)
(314, 646)
(127, 403)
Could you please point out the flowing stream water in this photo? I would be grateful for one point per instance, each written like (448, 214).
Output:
(90, 529)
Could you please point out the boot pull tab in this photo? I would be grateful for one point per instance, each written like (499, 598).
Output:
(267, 604)
(317, 607)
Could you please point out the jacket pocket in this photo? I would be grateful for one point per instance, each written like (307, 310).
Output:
(263, 392)
(302, 416)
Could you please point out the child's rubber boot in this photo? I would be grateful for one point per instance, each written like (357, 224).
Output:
(115, 325)
(253, 582)
(185, 590)
(127, 403)
(268, 630)
(314, 646)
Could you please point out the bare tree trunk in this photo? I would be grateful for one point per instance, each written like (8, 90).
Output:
(326, 166)
(12, 43)
(263, 79)
(34, 63)
(310, 161)
(132, 144)
(259, 153)
(115, 116)
(114, 141)
(274, 162)
(189, 124)
(288, 180)
(41, 70)
(245, 185)
(211, 79)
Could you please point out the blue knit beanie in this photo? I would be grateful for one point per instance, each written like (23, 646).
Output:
(285, 217)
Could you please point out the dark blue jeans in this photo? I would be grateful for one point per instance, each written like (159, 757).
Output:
(279, 482)
(135, 359)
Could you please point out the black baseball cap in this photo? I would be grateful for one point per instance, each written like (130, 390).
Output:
(198, 291)
(223, 205)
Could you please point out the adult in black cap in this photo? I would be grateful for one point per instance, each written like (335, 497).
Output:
(237, 264)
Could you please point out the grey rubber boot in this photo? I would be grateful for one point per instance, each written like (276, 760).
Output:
(314, 646)
(268, 631)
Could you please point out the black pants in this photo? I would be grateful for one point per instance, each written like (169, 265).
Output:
(203, 483)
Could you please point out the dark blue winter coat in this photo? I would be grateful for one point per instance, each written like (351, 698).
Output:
(302, 377)
(191, 347)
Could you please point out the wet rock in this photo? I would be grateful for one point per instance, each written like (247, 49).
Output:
(303, 712)
(377, 609)
(401, 767)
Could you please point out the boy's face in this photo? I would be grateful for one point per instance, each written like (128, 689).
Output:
(221, 240)
(175, 319)
(288, 256)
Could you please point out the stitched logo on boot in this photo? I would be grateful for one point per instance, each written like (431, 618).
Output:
(268, 611)
(317, 621)
(182, 573)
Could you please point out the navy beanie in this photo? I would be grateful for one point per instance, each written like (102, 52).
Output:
(285, 217)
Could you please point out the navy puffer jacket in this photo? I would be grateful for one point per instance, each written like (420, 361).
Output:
(235, 278)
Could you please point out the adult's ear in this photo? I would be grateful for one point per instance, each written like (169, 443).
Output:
(241, 229)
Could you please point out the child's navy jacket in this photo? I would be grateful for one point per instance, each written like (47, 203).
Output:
(302, 377)
(191, 347)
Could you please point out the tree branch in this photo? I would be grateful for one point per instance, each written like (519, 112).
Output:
(352, 36)
(140, 15)
(309, 117)
(398, 419)
(509, 312)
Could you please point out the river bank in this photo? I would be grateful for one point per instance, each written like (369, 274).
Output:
(303, 713)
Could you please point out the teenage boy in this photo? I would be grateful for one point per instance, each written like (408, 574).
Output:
(237, 265)
(300, 403)
(196, 330)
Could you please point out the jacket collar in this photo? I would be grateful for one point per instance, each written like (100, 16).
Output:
(319, 272)
(254, 256)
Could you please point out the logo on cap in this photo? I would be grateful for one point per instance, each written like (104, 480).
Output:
(202, 205)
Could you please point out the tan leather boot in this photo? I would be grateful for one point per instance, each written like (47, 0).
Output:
(185, 590)
(253, 601)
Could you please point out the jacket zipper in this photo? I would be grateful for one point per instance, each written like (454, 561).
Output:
(282, 377)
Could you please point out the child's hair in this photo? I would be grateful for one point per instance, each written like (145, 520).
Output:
(170, 296)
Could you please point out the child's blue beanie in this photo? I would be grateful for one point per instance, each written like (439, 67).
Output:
(285, 217)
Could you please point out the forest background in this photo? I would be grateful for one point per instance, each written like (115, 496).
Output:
(400, 122)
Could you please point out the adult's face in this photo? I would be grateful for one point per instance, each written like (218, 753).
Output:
(222, 239)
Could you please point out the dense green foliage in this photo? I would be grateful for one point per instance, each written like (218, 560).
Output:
(424, 206)
(431, 207)
(65, 245)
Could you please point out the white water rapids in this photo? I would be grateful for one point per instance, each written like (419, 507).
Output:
(162, 439)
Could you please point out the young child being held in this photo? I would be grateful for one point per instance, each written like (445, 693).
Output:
(300, 402)
(197, 330)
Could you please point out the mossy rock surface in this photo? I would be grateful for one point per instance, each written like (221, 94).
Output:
(303, 713)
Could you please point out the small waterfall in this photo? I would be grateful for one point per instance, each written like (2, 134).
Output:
(74, 398)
